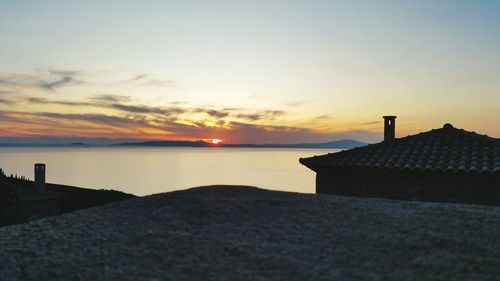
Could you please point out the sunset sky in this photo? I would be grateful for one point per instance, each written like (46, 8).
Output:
(246, 71)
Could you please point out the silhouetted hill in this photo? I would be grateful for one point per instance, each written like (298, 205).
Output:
(340, 144)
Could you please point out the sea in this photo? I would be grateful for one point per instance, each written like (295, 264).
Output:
(149, 170)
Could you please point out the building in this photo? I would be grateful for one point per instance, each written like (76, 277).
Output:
(446, 165)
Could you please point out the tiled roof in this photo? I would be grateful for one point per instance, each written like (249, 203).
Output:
(445, 149)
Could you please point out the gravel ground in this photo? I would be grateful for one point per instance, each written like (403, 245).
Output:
(245, 233)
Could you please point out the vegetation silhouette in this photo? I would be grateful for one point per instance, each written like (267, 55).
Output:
(19, 199)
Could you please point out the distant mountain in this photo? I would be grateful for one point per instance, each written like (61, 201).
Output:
(77, 144)
(39, 141)
(340, 144)
(169, 143)
(32, 145)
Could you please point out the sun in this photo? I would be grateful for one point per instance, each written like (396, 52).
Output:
(213, 141)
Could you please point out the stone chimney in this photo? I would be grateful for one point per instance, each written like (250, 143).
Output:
(40, 177)
(389, 128)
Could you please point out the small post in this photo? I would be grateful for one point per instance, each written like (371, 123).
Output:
(40, 177)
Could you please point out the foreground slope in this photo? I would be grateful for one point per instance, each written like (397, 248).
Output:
(245, 233)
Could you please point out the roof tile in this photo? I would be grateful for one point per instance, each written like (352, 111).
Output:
(445, 149)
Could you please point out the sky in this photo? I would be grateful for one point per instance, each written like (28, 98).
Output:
(246, 71)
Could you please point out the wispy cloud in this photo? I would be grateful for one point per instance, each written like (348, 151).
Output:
(65, 72)
(63, 81)
(110, 98)
(213, 112)
(5, 91)
(160, 82)
(52, 79)
(267, 114)
(7, 101)
(118, 116)
(139, 126)
(98, 118)
(35, 100)
(110, 102)
(297, 103)
(322, 117)
(118, 102)
(47, 81)
(149, 80)
(138, 77)
(374, 122)
(147, 109)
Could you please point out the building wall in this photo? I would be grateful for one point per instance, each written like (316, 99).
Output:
(424, 186)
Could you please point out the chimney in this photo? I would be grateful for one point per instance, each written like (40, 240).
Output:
(40, 177)
(389, 128)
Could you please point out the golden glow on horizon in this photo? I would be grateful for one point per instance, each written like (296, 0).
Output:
(213, 141)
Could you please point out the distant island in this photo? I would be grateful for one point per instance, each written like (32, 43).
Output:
(340, 144)
(78, 144)
(48, 145)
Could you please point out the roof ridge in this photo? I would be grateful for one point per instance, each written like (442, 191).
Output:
(445, 149)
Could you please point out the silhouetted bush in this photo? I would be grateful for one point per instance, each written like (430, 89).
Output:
(8, 205)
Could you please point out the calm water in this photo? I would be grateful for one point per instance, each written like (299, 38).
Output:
(143, 171)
